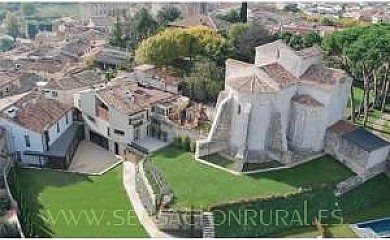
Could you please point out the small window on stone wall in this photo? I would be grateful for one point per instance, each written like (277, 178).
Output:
(239, 109)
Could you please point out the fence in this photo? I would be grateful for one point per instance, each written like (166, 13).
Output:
(164, 194)
(152, 187)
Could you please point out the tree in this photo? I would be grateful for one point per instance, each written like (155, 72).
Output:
(167, 46)
(143, 25)
(168, 14)
(205, 81)
(172, 44)
(299, 42)
(364, 53)
(6, 44)
(254, 36)
(12, 25)
(244, 12)
(27, 9)
(232, 16)
(116, 37)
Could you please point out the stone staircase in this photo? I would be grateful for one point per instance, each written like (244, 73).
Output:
(208, 225)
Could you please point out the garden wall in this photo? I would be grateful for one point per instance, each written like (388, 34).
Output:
(145, 191)
(180, 223)
(264, 216)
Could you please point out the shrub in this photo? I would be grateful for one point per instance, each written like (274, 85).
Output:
(5, 205)
(9, 231)
(177, 141)
(185, 143)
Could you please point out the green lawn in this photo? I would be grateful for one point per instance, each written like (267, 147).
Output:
(99, 205)
(380, 210)
(199, 185)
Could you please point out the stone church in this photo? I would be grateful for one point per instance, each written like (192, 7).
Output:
(278, 107)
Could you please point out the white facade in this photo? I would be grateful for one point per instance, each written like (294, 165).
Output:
(116, 128)
(282, 103)
(19, 136)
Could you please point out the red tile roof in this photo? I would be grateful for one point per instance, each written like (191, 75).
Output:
(341, 127)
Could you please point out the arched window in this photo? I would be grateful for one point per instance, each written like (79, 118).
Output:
(239, 109)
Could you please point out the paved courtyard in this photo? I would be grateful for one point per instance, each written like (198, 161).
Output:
(92, 159)
(152, 144)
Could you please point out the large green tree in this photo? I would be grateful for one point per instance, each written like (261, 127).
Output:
(250, 38)
(171, 44)
(232, 16)
(143, 25)
(11, 24)
(168, 14)
(364, 53)
(205, 81)
(116, 37)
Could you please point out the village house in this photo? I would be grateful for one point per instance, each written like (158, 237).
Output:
(127, 115)
(285, 106)
(211, 22)
(108, 58)
(76, 49)
(68, 86)
(8, 82)
(163, 79)
(40, 131)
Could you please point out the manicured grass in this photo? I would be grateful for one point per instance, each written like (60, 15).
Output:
(196, 184)
(100, 205)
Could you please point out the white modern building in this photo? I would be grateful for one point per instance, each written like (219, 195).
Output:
(126, 115)
(40, 131)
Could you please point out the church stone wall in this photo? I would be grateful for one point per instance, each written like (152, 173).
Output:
(258, 123)
(306, 129)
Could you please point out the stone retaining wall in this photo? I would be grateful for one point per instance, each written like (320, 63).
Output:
(180, 223)
(145, 191)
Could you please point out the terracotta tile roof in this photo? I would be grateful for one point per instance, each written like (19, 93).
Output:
(322, 75)
(195, 20)
(233, 62)
(37, 113)
(143, 97)
(164, 75)
(276, 76)
(279, 74)
(306, 100)
(341, 127)
(76, 48)
(253, 81)
(7, 78)
(75, 78)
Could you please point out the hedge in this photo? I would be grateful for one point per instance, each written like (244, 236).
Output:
(264, 216)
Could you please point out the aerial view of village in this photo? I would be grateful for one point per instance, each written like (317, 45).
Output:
(194, 119)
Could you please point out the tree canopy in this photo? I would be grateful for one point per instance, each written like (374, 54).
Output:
(364, 53)
(250, 38)
(171, 44)
(168, 14)
(299, 42)
(12, 24)
(143, 24)
(232, 16)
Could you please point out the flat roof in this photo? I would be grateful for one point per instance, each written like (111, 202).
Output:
(365, 139)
